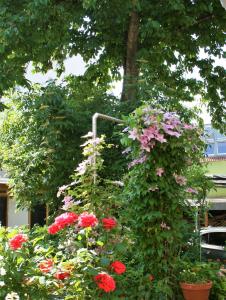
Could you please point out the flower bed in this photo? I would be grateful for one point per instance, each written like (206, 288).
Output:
(109, 243)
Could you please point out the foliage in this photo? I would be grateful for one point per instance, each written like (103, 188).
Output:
(170, 36)
(201, 272)
(40, 136)
(219, 288)
(86, 253)
(163, 148)
(198, 272)
(68, 261)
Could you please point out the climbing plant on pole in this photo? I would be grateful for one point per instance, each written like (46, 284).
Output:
(162, 148)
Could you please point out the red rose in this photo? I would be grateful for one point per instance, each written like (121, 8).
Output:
(53, 228)
(151, 277)
(105, 282)
(61, 275)
(66, 219)
(118, 267)
(109, 223)
(46, 265)
(87, 220)
(17, 241)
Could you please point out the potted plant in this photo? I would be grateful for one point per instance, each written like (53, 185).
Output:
(196, 279)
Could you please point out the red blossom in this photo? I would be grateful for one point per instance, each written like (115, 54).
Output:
(105, 282)
(53, 228)
(46, 265)
(118, 267)
(87, 220)
(61, 275)
(66, 219)
(109, 223)
(17, 241)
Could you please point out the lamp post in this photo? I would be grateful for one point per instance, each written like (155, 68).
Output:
(94, 131)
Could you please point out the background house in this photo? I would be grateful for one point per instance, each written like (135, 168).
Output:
(10, 216)
(216, 163)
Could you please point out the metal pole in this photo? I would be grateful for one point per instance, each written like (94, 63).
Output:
(94, 130)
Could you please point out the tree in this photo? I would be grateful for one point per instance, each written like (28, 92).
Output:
(155, 43)
(40, 134)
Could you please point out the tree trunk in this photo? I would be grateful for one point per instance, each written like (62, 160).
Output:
(131, 70)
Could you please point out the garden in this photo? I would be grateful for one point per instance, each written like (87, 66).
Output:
(129, 239)
(123, 212)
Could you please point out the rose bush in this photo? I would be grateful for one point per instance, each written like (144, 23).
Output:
(75, 257)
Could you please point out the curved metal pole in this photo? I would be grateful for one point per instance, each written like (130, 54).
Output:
(94, 131)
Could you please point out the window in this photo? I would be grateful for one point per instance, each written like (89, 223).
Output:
(38, 215)
(209, 132)
(221, 147)
(215, 238)
(210, 149)
(3, 210)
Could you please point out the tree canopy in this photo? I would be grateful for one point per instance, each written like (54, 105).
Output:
(156, 43)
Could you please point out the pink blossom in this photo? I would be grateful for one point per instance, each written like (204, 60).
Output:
(188, 126)
(68, 202)
(191, 190)
(133, 134)
(81, 169)
(160, 137)
(150, 132)
(168, 131)
(147, 120)
(181, 180)
(164, 226)
(137, 161)
(61, 190)
(144, 143)
(172, 118)
(160, 171)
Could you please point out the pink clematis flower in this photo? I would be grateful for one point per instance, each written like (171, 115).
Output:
(133, 134)
(191, 190)
(181, 180)
(188, 126)
(164, 226)
(160, 171)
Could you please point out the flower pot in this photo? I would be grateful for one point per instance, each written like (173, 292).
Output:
(196, 291)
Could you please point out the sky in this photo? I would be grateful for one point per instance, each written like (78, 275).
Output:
(76, 66)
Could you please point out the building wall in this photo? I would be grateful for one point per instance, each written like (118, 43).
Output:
(16, 218)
